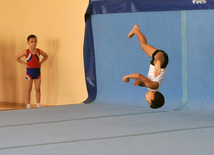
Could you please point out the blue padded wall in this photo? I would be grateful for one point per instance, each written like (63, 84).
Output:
(186, 35)
(200, 32)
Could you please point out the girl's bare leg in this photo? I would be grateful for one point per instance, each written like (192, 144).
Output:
(29, 88)
(148, 49)
(37, 88)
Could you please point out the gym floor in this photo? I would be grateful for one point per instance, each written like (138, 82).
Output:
(15, 106)
(104, 129)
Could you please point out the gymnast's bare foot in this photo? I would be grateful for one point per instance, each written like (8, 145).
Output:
(132, 32)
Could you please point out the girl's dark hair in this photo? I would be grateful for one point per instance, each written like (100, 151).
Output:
(31, 36)
(158, 101)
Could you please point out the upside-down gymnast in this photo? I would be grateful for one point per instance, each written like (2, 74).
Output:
(156, 74)
(33, 66)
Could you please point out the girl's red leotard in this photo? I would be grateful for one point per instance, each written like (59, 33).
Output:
(33, 72)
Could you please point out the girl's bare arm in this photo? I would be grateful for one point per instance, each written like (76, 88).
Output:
(45, 57)
(19, 56)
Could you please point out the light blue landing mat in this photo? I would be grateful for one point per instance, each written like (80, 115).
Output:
(104, 129)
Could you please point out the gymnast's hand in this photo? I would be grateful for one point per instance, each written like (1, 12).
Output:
(26, 65)
(125, 79)
(137, 82)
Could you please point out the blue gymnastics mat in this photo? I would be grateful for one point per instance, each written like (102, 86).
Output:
(95, 129)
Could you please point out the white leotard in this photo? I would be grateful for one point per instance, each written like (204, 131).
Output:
(159, 78)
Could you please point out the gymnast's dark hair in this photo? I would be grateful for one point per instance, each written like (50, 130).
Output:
(158, 100)
(31, 36)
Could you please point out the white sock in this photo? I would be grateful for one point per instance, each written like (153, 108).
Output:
(28, 106)
(38, 105)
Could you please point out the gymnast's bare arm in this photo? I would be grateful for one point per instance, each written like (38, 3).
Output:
(19, 56)
(141, 80)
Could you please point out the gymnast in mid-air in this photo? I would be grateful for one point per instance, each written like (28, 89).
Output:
(156, 74)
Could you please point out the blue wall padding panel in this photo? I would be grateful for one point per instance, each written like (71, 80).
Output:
(200, 60)
(124, 6)
(116, 56)
(89, 59)
(187, 37)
